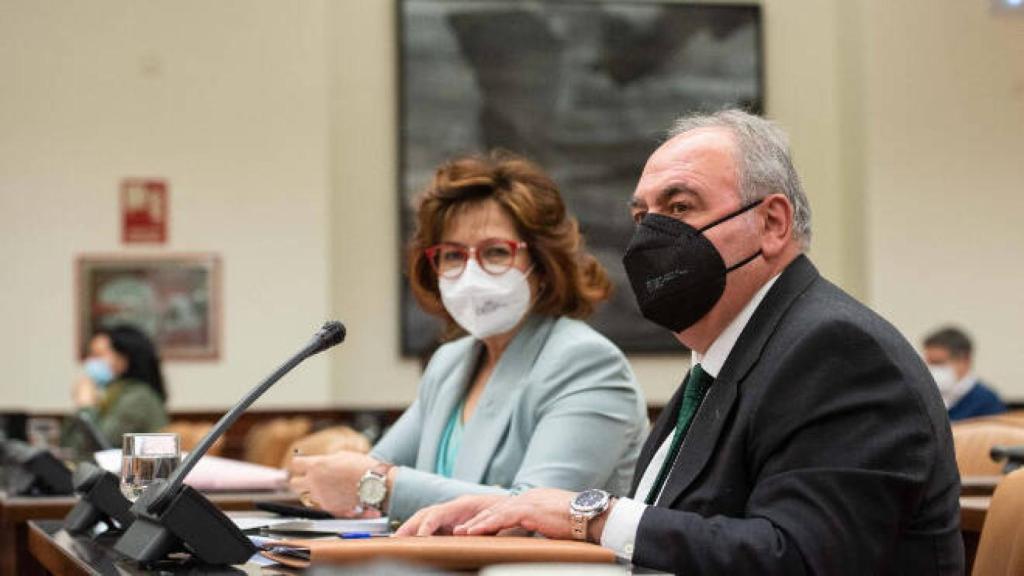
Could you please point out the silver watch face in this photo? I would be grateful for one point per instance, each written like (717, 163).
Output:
(372, 490)
(590, 501)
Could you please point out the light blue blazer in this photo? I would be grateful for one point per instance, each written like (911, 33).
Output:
(561, 410)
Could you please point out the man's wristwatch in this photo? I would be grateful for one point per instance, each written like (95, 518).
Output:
(373, 487)
(586, 506)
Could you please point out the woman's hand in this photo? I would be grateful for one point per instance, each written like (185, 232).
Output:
(442, 518)
(330, 481)
(85, 393)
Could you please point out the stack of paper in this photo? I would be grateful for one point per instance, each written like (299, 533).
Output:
(333, 527)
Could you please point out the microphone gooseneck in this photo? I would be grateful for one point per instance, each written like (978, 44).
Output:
(331, 334)
(85, 422)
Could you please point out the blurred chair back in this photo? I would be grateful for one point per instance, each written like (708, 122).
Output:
(974, 439)
(328, 441)
(268, 442)
(190, 433)
(1001, 549)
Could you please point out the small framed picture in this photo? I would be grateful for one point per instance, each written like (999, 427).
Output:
(175, 299)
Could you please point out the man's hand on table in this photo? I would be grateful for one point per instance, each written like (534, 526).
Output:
(542, 510)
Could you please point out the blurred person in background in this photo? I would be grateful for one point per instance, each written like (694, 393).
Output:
(121, 389)
(950, 357)
(524, 394)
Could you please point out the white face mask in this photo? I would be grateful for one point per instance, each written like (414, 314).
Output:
(944, 378)
(485, 304)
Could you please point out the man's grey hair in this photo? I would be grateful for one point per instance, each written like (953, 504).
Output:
(763, 160)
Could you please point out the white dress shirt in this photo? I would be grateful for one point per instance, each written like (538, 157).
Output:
(623, 521)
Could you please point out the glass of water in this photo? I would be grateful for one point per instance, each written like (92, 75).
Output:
(145, 458)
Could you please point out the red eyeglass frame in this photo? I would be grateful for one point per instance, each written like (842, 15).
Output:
(474, 252)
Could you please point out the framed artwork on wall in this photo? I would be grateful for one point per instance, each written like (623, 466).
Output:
(587, 89)
(175, 299)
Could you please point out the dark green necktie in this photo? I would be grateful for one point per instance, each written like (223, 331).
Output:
(697, 384)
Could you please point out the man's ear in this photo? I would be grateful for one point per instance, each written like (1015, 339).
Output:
(776, 224)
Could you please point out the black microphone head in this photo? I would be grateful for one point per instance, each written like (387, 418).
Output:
(331, 334)
(1012, 453)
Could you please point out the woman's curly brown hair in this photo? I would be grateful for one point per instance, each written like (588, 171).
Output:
(572, 281)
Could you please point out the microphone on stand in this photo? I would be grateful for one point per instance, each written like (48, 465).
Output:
(99, 493)
(171, 516)
(87, 425)
(100, 500)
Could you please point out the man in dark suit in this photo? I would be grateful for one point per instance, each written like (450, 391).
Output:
(808, 437)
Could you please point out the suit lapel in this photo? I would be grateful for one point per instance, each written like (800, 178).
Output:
(710, 419)
(486, 429)
(449, 394)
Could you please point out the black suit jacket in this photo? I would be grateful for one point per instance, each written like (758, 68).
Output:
(823, 447)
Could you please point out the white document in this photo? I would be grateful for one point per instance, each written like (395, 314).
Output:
(251, 522)
(333, 526)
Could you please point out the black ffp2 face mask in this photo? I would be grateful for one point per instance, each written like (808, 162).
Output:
(676, 273)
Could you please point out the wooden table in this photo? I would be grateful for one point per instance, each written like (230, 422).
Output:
(972, 518)
(56, 552)
(972, 512)
(979, 485)
(16, 511)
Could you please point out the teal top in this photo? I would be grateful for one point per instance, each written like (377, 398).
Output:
(561, 410)
(451, 438)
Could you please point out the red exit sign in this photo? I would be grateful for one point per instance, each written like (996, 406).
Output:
(144, 210)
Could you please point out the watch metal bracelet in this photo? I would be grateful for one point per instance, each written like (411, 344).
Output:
(579, 526)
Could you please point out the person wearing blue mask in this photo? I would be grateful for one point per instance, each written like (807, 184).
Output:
(121, 389)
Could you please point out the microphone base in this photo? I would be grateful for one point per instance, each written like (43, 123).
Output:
(100, 501)
(35, 471)
(190, 523)
(84, 516)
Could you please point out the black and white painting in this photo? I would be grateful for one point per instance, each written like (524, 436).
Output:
(586, 89)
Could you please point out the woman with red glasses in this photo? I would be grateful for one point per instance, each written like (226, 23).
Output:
(524, 394)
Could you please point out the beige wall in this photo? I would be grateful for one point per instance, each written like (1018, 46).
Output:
(803, 85)
(368, 370)
(227, 100)
(944, 173)
(275, 124)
